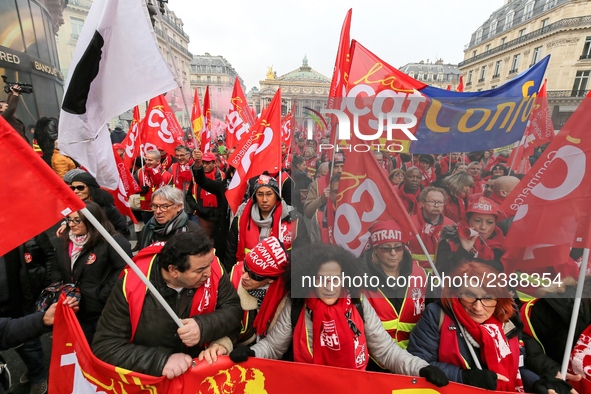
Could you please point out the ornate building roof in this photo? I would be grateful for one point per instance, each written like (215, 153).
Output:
(303, 74)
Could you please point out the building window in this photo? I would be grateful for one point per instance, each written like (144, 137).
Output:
(544, 23)
(515, 64)
(580, 85)
(503, 40)
(521, 33)
(528, 10)
(469, 82)
(487, 48)
(411, 74)
(549, 4)
(498, 65)
(76, 27)
(219, 79)
(208, 79)
(509, 19)
(440, 77)
(536, 56)
(493, 28)
(586, 49)
(200, 92)
(482, 74)
(473, 53)
(478, 36)
(420, 77)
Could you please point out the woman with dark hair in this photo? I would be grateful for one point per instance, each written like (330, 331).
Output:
(86, 259)
(458, 187)
(499, 170)
(87, 188)
(473, 334)
(333, 311)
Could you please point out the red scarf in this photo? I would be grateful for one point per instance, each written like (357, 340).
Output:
(166, 162)
(499, 354)
(428, 176)
(334, 342)
(244, 225)
(273, 297)
(483, 249)
(209, 200)
(182, 174)
(410, 201)
(152, 177)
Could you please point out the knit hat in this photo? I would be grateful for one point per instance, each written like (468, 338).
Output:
(384, 232)
(268, 258)
(71, 174)
(268, 181)
(86, 178)
(428, 158)
(208, 157)
(485, 206)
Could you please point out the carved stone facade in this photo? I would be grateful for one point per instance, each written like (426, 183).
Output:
(435, 74)
(521, 33)
(303, 87)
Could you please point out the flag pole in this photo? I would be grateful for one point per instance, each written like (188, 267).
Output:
(131, 264)
(431, 263)
(575, 314)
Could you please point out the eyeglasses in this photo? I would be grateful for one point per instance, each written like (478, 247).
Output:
(253, 276)
(389, 249)
(74, 220)
(79, 188)
(163, 207)
(486, 301)
(435, 203)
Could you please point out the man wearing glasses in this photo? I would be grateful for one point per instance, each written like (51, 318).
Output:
(169, 217)
(429, 223)
(182, 178)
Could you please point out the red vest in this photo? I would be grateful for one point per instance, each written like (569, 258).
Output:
(252, 234)
(135, 290)
(400, 324)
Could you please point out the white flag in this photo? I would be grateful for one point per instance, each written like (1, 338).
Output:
(116, 65)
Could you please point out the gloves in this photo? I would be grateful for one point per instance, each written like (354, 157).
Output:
(483, 378)
(241, 354)
(434, 375)
(551, 383)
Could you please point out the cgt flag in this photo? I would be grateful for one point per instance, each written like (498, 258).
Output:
(206, 129)
(160, 129)
(28, 182)
(551, 203)
(116, 65)
(131, 143)
(239, 117)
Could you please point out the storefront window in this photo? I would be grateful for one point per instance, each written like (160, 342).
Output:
(24, 13)
(10, 33)
(40, 33)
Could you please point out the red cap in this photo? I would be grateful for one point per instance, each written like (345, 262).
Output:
(384, 232)
(208, 157)
(485, 206)
(268, 258)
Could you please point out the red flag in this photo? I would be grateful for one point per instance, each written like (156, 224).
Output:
(239, 118)
(127, 187)
(460, 87)
(28, 182)
(286, 128)
(448, 87)
(206, 130)
(160, 129)
(551, 203)
(196, 116)
(366, 196)
(260, 152)
(131, 143)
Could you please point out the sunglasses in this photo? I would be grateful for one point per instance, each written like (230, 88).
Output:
(253, 276)
(389, 249)
(79, 188)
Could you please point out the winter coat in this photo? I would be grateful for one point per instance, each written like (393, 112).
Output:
(118, 135)
(61, 164)
(96, 271)
(379, 343)
(9, 116)
(156, 335)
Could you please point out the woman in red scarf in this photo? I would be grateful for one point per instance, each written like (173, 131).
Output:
(328, 324)
(481, 330)
(477, 236)
(458, 188)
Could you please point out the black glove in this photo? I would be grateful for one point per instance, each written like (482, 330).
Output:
(483, 378)
(434, 375)
(241, 354)
(550, 382)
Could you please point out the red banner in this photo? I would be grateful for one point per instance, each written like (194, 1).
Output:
(131, 143)
(205, 135)
(27, 183)
(260, 152)
(74, 369)
(160, 129)
(127, 187)
(551, 203)
(239, 118)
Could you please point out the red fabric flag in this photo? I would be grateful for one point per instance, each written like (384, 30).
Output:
(131, 143)
(160, 129)
(28, 182)
(448, 87)
(286, 128)
(260, 152)
(366, 196)
(205, 139)
(127, 187)
(460, 87)
(551, 203)
(239, 118)
(196, 116)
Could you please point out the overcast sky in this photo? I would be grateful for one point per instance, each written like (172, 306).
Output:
(253, 35)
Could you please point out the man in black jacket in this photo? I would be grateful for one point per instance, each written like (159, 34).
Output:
(136, 333)
(8, 110)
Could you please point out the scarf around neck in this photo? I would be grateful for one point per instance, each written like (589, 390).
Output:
(153, 227)
(78, 242)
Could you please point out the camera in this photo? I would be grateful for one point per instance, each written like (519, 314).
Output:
(26, 88)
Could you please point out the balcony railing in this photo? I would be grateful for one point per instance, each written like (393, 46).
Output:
(567, 93)
(561, 24)
(174, 26)
(174, 43)
(496, 76)
(513, 71)
(481, 80)
(468, 83)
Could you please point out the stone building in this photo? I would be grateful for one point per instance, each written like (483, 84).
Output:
(522, 32)
(304, 86)
(435, 74)
(217, 73)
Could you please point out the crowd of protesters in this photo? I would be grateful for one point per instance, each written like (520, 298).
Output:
(236, 278)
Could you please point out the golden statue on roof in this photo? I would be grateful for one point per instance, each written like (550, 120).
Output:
(270, 73)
